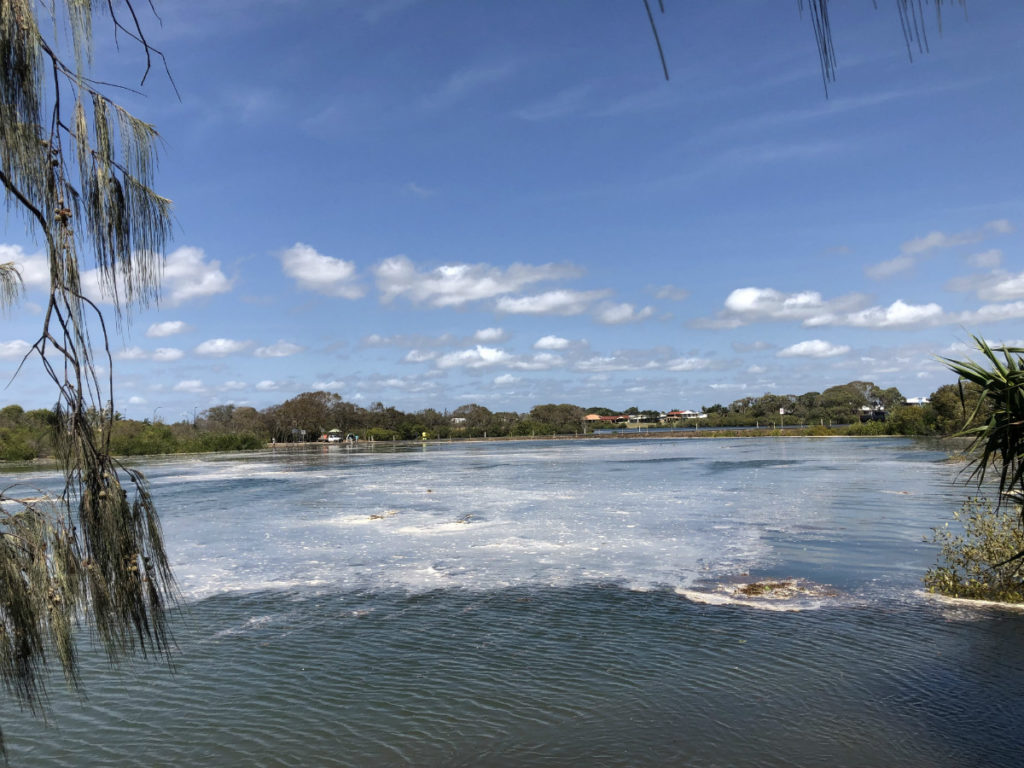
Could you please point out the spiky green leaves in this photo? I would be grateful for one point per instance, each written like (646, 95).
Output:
(998, 441)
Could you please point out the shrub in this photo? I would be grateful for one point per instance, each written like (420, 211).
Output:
(973, 563)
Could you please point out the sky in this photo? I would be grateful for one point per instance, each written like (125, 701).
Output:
(429, 204)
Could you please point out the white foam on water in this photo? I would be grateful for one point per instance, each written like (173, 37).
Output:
(663, 514)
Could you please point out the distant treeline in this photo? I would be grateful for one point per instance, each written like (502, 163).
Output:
(307, 417)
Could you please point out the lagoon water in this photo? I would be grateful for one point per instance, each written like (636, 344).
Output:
(544, 604)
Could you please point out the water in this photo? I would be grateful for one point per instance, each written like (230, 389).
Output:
(545, 604)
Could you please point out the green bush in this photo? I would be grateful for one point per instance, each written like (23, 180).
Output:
(972, 560)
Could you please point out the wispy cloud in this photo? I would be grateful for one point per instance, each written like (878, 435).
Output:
(466, 82)
(453, 285)
(562, 302)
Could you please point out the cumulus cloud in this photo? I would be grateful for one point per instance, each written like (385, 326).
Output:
(561, 302)
(551, 342)
(746, 305)
(506, 378)
(453, 285)
(234, 386)
(167, 354)
(327, 386)
(1002, 287)
(899, 313)
(617, 314)
(194, 386)
(489, 334)
(814, 348)
(991, 313)
(136, 400)
(221, 347)
(13, 349)
(323, 274)
(188, 275)
(749, 305)
(266, 385)
(34, 269)
(280, 349)
(478, 357)
(167, 328)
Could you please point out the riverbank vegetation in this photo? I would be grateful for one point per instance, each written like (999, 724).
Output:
(982, 552)
(858, 408)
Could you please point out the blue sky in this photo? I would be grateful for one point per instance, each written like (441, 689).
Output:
(430, 204)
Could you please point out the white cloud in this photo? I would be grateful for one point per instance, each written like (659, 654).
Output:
(561, 302)
(749, 305)
(323, 274)
(899, 313)
(187, 275)
(168, 328)
(167, 355)
(616, 314)
(326, 386)
(221, 347)
(234, 386)
(687, 364)
(991, 313)
(34, 269)
(418, 356)
(195, 386)
(478, 357)
(489, 334)
(506, 378)
(891, 267)
(542, 361)
(989, 259)
(280, 349)
(136, 400)
(814, 348)
(551, 342)
(14, 349)
(132, 353)
(453, 285)
(756, 369)
(604, 364)
(266, 385)
(1003, 287)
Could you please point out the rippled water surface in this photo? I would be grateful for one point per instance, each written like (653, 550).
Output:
(540, 604)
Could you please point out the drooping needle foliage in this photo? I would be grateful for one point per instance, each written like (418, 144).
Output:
(78, 169)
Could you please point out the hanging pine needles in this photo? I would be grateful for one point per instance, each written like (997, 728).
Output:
(79, 169)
